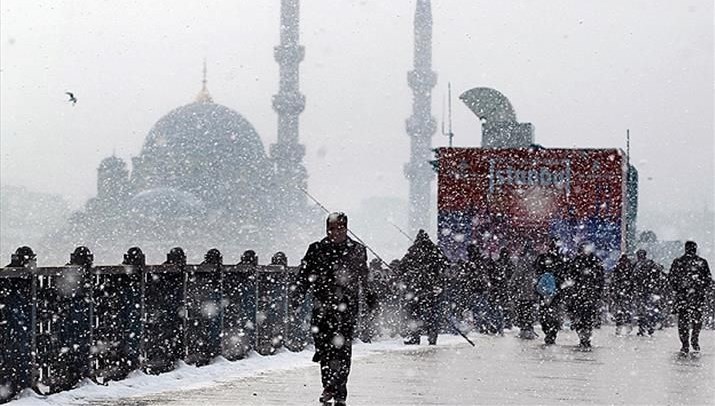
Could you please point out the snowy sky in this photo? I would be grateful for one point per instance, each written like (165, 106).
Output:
(581, 72)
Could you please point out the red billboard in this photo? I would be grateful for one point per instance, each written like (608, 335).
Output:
(502, 197)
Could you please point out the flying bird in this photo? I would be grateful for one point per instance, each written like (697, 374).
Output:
(72, 98)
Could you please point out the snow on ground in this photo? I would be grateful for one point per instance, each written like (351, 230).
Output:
(189, 377)
(500, 370)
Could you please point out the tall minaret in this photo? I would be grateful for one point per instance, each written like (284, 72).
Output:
(421, 125)
(287, 153)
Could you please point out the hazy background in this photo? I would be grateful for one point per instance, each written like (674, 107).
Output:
(581, 72)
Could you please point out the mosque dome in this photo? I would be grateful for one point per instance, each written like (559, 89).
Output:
(203, 148)
(204, 130)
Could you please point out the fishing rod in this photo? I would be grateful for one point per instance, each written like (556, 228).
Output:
(400, 230)
(349, 230)
(450, 320)
(452, 324)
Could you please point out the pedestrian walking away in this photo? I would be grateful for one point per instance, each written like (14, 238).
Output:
(335, 269)
(523, 282)
(645, 277)
(477, 269)
(499, 276)
(422, 268)
(689, 278)
(587, 277)
(621, 294)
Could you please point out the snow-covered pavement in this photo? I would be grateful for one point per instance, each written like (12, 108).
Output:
(620, 370)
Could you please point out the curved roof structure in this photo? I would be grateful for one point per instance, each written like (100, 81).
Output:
(202, 148)
(204, 127)
(488, 104)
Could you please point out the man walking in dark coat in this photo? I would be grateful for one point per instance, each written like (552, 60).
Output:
(645, 277)
(499, 276)
(421, 269)
(689, 278)
(550, 262)
(523, 282)
(477, 269)
(336, 270)
(586, 274)
(621, 294)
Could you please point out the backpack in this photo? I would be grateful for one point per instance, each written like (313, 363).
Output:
(546, 285)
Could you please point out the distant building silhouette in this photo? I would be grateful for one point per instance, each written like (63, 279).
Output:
(203, 178)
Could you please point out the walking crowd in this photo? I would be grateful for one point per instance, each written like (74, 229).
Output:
(425, 294)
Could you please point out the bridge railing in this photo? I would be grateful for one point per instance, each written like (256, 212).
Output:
(17, 331)
(59, 325)
(164, 317)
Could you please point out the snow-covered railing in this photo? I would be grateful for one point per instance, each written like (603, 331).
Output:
(59, 325)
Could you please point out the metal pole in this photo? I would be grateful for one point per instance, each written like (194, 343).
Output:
(449, 112)
(449, 132)
(628, 182)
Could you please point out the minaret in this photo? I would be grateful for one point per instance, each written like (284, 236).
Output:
(421, 125)
(287, 153)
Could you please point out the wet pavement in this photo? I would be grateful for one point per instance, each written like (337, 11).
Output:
(500, 370)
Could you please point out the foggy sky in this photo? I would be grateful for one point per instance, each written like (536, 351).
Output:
(581, 72)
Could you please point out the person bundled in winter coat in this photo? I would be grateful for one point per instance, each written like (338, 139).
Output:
(421, 269)
(551, 263)
(587, 280)
(525, 297)
(476, 276)
(335, 268)
(646, 275)
(690, 278)
(621, 293)
(499, 277)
